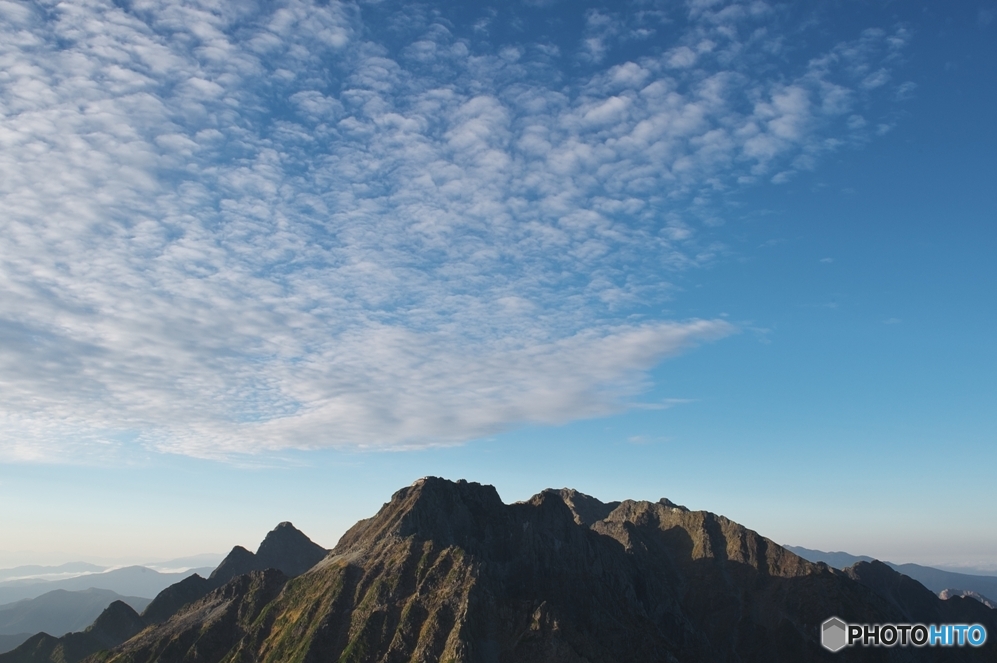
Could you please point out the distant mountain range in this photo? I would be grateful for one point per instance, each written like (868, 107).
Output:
(65, 598)
(57, 612)
(33, 571)
(446, 572)
(181, 564)
(937, 580)
(128, 581)
(285, 552)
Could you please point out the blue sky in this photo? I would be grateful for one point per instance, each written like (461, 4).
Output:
(272, 262)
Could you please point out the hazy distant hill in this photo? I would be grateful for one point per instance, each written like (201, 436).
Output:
(34, 570)
(839, 560)
(179, 564)
(934, 579)
(60, 611)
(127, 581)
(33, 573)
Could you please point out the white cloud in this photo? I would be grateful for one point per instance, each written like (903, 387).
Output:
(681, 57)
(230, 231)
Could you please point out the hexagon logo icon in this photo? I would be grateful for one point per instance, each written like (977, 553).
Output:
(833, 634)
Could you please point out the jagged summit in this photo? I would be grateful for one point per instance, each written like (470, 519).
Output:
(284, 548)
(664, 501)
(238, 561)
(586, 508)
(445, 511)
(287, 549)
(117, 623)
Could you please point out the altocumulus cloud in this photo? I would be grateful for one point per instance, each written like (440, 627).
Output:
(237, 227)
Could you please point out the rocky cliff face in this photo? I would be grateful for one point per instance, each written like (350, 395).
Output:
(447, 572)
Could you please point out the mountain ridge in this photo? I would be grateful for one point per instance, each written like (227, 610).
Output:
(446, 571)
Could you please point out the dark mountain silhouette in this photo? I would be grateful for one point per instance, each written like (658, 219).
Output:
(174, 597)
(446, 572)
(236, 563)
(8, 642)
(60, 611)
(288, 550)
(284, 552)
(285, 548)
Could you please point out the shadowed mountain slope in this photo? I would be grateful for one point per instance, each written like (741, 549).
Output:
(446, 572)
(208, 628)
(8, 642)
(967, 593)
(116, 624)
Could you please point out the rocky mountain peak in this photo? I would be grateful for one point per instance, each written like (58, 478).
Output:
(287, 549)
(586, 509)
(117, 623)
(237, 562)
(448, 512)
(664, 501)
